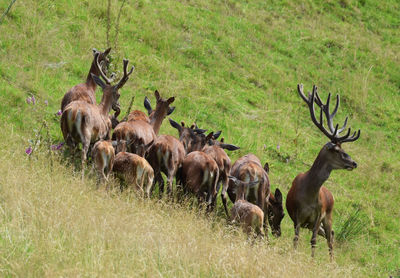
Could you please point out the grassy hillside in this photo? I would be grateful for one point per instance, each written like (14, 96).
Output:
(232, 65)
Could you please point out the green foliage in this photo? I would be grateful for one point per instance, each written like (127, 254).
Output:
(234, 65)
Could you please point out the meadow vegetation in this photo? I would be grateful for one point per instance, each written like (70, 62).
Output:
(232, 66)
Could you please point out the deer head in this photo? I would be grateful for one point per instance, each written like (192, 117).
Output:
(111, 94)
(332, 153)
(193, 139)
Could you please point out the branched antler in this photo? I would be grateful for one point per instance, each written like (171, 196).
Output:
(334, 131)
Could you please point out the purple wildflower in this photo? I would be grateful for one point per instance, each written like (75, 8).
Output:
(278, 147)
(46, 102)
(28, 100)
(59, 113)
(59, 146)
(33, 100)
(28, 151)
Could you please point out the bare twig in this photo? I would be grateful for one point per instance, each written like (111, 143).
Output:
(108, 22)
(8, 9)
(117, 25)
(129, 110)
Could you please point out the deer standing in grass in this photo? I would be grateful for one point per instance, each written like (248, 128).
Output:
(103, 156)
(250, 216)
(248, 168)
(167, 153)
(86, 123)
(140, 130)
(134, 170)
(86, 91)
(215, 149)
(309, 204)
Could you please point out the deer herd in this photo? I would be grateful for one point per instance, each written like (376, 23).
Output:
(138, 156)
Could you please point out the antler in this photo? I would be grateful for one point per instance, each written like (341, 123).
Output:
(333, 133)
(108, 81)
(126, 75)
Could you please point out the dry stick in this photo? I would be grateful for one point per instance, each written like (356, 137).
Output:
(129, 110)
(117, 25)
(108, 22)
(8, 9)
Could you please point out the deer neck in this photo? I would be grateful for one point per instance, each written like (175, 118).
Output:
(105, 104)
(156, 120)
(318, 174)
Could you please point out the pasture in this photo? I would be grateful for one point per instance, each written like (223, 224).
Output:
(231, 66)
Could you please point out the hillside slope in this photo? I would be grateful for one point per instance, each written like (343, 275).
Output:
(233, 66)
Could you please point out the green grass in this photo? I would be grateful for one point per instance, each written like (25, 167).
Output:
(232, 65)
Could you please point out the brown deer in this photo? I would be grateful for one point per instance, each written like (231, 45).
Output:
(275, 212)
(103, 155)
(199, 177)
(86, 123)
(134, 170)
(141, 130)
(250, 216)
(215, 149)
(165, 156)
(308, 203)
(86, 91)
(248, 168)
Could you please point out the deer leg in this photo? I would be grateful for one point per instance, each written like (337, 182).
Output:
(149, 185)
(223, 194)
(315, 230)
(327, 224)
(160, 184)
(170, 178)
(296, 234)
(85, 148)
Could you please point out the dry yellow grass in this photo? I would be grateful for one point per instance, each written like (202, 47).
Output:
(53, 225)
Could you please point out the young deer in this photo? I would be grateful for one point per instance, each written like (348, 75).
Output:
(250, 216)
(86, 123)
(308, 202)
(103, 155)
(141, 130)
(135, 171)
(248, 168)
(86, 91)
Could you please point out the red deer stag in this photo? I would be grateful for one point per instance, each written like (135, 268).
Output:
(140, 131)
(86, 91)
(308, 203)
(248, 168)
(134, 170)
(103, 155)
(250, 216)
(86, 123)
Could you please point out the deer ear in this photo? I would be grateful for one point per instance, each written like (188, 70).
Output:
(278, 195)
(266, 167)
(94, 50)
(209, 136)
(171, 100)
(175, 125)
(98, 81)
(157, 95)
(330, 145)
(147, 105)
(199, 130)
(229, 147)
(107, 51)
(170, 110)
(217, 134)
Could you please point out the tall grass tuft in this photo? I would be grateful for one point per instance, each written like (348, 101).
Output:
(352, 227)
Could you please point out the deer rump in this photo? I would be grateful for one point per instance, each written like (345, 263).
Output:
(200, 176)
